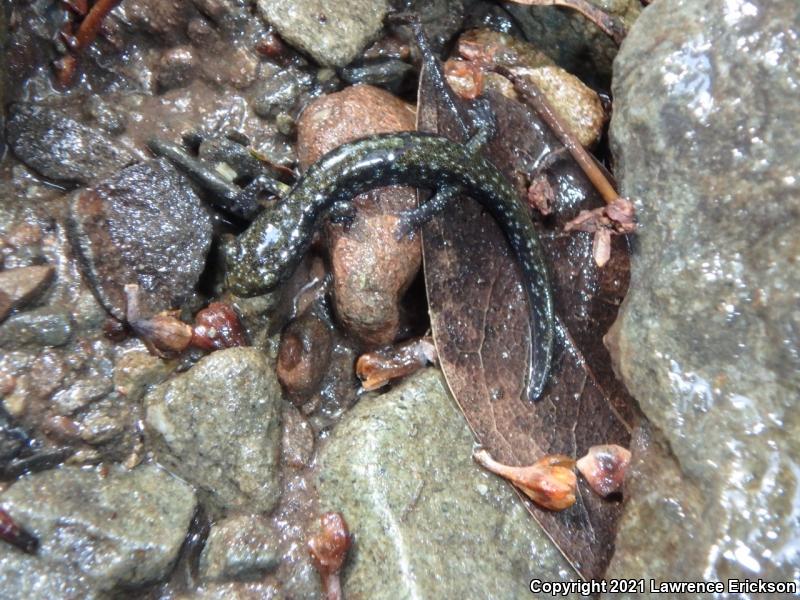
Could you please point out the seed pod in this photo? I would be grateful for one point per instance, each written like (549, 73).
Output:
(376, 369)
(604, 468)
(163, 333)
(328, 551)
(550, 482)
(218, 326)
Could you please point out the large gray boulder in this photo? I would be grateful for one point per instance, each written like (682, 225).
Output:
(705, 134)
(97, 533)
(427, 521)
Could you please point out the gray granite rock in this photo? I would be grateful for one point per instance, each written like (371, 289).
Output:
(242, 548)
(705, 133)
(427, 522)
(332, 32)
(97, 533)
(219, 427)
(146, 226)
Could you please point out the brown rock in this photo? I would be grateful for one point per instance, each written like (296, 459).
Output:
(20, 286)
(303, 356)
(371, 269)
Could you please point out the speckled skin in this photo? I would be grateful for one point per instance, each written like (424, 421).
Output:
(267, 253)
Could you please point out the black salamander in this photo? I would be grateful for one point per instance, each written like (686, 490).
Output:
(269, 250)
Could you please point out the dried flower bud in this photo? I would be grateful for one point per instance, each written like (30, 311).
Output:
(604, 468)
(163, 333)
(376, 369)
(328, 551)
(218, 326)
(550, 483)
(541, 195)
(15, 535)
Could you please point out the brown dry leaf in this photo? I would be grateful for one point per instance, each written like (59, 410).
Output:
(479, 318)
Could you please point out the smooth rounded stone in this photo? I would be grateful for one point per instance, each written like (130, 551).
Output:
(242, 548)
(574, 42)
(53, 143)
(219, 427)
(142, 226)
(333, 33)
(427, 521)
(176, 67)
(304, 356)
(705, 129)
(137, 370)
(97, 533)
(371, 268)
(45, 326)
(281, 92)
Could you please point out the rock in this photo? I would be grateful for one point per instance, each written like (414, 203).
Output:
(281, 92)
(240, 548)
(22, 286)
(234, 591)
(574, 42)
(12, 439)
(165, 20)
(97, 534)
(298, 438)
(304, 356)
(144, 225)
(333, 33)
(176, 67)
(371, 269)
(50, 141)
(441, 19)
(219, 427)
(427, 521)
(705, 129)
(577, 104)
(136, 371)
(81, 393)
(46, 326)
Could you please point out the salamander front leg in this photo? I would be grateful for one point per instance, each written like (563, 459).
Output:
(413, 219)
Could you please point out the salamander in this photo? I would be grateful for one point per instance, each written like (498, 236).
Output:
(269, 250)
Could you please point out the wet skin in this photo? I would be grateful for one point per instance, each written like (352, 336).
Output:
(267, 253)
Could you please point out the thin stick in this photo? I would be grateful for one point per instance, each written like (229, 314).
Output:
(90, 26)
(531, 93)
